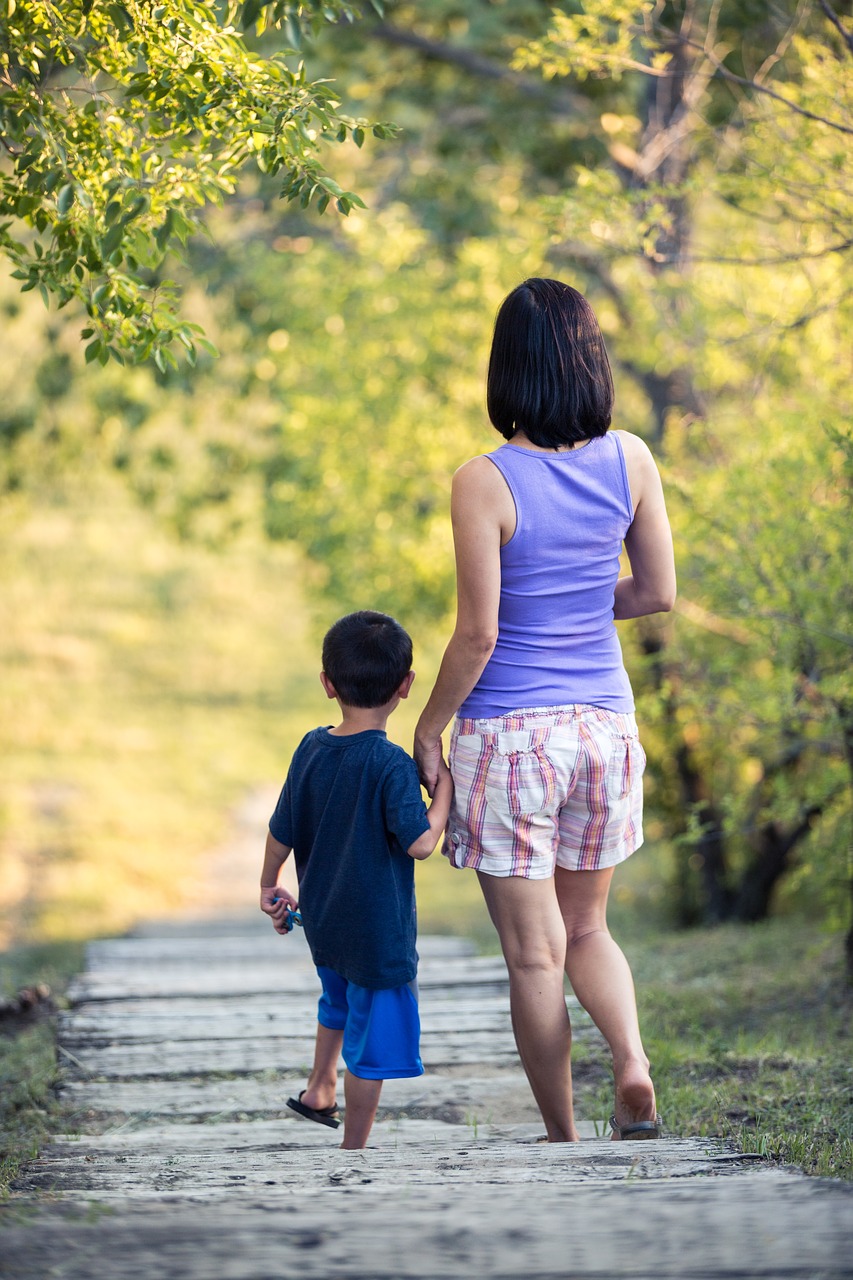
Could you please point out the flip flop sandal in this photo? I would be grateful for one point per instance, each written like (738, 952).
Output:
(326, 1115)
(638, 1129)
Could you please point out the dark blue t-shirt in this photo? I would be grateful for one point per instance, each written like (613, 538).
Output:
(350, 808)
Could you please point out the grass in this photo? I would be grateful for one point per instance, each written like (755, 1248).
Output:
(747, 1028)
(29, 1109)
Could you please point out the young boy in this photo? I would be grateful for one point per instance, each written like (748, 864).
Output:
(352, 812)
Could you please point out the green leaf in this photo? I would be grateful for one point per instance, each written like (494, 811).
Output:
(65, 199)
(163, 232)
(112, 240)
(252, 10)
(121, 17)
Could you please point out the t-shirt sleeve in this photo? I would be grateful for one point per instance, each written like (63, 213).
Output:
(281, 822)
(404, 808)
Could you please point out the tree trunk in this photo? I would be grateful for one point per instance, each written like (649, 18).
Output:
(710, 848)
(774, 849)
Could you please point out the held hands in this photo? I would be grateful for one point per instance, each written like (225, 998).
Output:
(430, 762)
(276, 903)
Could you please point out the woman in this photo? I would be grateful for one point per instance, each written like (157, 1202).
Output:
(544, 751)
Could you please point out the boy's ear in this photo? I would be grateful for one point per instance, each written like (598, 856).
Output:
(406, 685)
(331, 691)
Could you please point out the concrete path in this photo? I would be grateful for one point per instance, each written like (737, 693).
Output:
(182, 1161)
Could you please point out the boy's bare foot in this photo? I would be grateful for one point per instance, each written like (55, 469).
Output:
(328, 1115)
(318, 1097)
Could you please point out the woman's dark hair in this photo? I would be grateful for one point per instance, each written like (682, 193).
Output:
(549, 375)
(367, 656)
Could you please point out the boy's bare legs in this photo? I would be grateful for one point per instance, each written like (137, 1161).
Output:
(320, 1091)
(601, 979)
(533, 940)
(362, 1100)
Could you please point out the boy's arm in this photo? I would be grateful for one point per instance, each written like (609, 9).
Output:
(275, 901)
(437, 814)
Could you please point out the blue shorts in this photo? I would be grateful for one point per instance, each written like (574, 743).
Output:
(382, 1029)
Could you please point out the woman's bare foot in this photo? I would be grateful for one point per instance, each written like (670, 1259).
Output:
(635, 1095)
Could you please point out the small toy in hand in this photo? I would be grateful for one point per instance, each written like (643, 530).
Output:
(290, 919)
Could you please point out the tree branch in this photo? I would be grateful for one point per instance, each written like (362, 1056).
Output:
(846, 36)
(781, 260)
(478, 65)
(723, 71)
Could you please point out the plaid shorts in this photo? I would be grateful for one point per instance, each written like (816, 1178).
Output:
(545, 787)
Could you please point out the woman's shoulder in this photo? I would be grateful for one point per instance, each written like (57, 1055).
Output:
(632, 446)
(480, 498)
(639, 459)
(641, 468)
(477, 473)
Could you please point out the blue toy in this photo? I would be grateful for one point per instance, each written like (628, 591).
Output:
(292, 918)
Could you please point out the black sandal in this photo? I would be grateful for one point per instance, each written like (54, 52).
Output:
(326, 1115)
(637, 1129)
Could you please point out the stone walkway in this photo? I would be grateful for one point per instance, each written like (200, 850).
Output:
(179, 1051)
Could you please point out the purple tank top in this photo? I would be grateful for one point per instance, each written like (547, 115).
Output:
(557, 642)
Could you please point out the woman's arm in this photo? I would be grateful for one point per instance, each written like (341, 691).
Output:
(650, 586)
(483, 516)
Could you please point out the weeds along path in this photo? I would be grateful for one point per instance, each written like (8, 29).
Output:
(183, 1043)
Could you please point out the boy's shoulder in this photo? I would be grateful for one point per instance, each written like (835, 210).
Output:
(372, 744)
(310, 741)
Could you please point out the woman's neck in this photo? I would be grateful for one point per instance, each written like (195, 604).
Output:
(519, 438)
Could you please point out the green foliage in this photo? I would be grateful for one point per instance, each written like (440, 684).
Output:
(603, 40)
(703, 204)
(121, 123)
(718, 241)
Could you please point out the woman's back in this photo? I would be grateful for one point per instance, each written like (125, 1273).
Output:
(557, 643)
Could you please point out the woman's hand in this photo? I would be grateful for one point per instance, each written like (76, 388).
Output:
(428, 757)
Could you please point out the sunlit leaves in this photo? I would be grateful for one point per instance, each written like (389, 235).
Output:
(122, 123)
(604, 39)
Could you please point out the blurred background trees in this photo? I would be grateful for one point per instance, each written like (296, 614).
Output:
(688, 165)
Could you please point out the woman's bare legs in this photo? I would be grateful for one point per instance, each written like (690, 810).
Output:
(533, 939)
(601, 979)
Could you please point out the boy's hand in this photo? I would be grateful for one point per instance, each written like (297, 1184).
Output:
(443, 770)
(276, 902)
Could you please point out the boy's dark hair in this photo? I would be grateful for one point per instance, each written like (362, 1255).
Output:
(367, 656)
(549, 375)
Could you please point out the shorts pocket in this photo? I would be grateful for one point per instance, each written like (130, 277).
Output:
(521, 782)
(627, 763)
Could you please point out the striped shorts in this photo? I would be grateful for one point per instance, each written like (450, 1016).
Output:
(545, 787)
